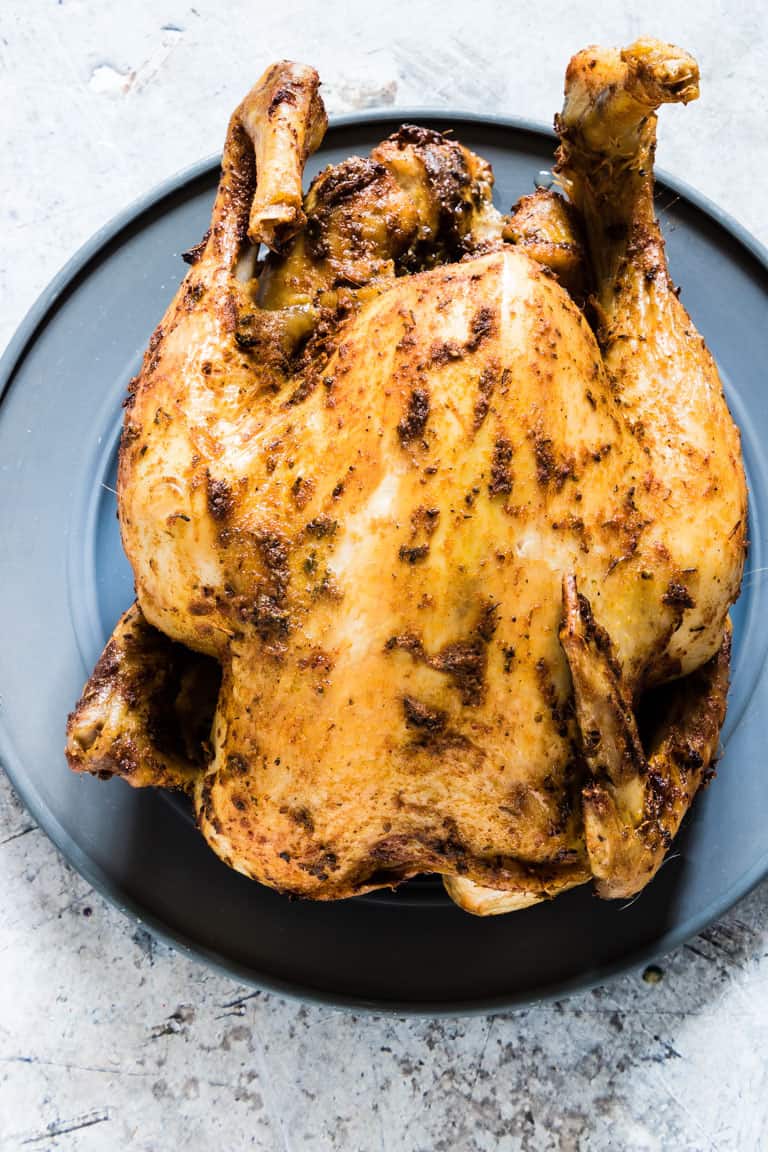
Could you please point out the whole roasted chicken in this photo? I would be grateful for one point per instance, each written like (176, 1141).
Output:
(436, 515)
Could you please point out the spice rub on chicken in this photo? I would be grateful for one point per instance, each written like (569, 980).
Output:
(425, 508)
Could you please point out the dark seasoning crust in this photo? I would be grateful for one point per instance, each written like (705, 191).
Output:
(464, 662)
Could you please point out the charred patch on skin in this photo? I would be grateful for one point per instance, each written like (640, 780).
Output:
(595, 634)
(486, 386)
(629, 525)
(274, 552)
(413, 553)
(305, 389)
(320, 867)
(418, 715)
(549, 470)
(406, 642)
(268, 610)
(327, 588)
(301, 491)
(271, 619)
(465, 662)
(414, 422)
(322, 526)
(219, 497)
(424, 520)
(545, 460)
(201, 607)
(423, 524)
(300, 816)
(193, 254)
(501, 468)
(344, 181)
(152, 354)
(484, 323)
(194, 290)
(318, 660)
(283, 95)
(575, 524)
(271, 338)
(443, 351)
(236, 765)
(678, 596)
(206, 799)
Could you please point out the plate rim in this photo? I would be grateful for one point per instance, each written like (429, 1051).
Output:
(12, 357)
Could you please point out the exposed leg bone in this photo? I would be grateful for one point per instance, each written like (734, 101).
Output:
(278, 125)
(607, 135)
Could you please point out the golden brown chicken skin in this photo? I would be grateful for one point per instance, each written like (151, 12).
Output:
(441, 536)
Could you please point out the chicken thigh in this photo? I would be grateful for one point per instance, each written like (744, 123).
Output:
(445, 532)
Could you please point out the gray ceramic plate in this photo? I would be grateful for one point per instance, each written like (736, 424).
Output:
(65, 581)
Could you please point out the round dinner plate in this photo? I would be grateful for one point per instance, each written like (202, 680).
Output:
(65, 580)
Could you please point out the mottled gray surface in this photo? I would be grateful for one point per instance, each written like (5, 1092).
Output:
(109, 1040)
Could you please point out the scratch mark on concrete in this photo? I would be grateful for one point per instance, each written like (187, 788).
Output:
(697, 952)
(18, 835)
(238, 1004)
(69, 1067)
(62, 1128)
(479, 1065)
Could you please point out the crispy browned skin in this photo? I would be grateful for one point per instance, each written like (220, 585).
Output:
(634, 804)
(439, 539)
(419, 200)
(547, 228)
(146, 711)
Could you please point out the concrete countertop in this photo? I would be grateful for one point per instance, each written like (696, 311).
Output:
(109, 1040)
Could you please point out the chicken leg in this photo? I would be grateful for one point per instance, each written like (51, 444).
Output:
(665, 380)
(146, 711)
(670, 394)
